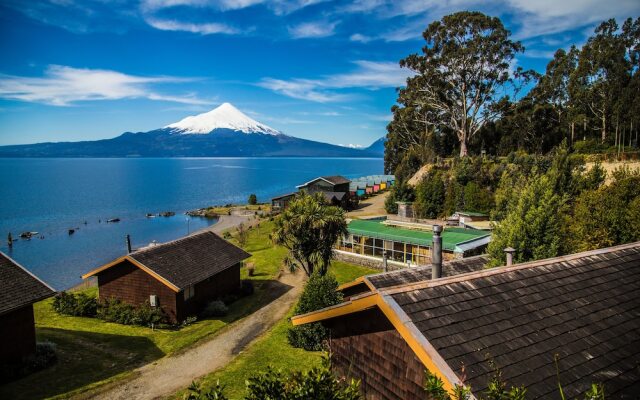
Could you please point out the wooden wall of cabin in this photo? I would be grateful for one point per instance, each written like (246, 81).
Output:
(208, 290)
(318, 187)
(17, 335)
(132, 285)
(367, 347)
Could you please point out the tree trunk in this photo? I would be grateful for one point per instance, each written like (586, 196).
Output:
(463, 145)
(573, 131)
(604, 128)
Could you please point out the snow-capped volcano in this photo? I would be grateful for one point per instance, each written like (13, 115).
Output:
(225, 116)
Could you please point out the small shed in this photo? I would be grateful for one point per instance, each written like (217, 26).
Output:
(19, 289)
(180, 277)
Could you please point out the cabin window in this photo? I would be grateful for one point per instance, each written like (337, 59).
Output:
(189, 292)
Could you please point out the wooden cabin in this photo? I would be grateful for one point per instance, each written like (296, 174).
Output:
(180, 277)
(579, 309)
(19, 289)
(326, 184)
(334, 188)
(280, 203)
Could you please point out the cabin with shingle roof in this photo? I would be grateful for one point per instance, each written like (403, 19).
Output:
(583, 309)
(334, 188)
(19, 289)
(180, 277)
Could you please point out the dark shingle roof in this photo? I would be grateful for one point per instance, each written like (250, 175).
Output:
(336, 179)
(417, 274)
(192, 259)
(284, 196)
(18, 287)
(585, 309)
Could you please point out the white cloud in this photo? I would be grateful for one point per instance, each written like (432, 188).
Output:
(529, 18)
(223, 5)
(62, 86)
(358, 37)
(352, 146)
(279, 7)
(301, 89)
(535, 53)
(317, 29)
(369, 75)
(209, 28)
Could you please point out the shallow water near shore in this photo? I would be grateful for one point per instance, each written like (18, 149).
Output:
(51, 196)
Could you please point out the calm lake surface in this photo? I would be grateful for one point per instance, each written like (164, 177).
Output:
(51, 196)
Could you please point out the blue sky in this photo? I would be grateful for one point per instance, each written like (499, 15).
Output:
(322, 70)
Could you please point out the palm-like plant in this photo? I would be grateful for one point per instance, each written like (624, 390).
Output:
(309, 228)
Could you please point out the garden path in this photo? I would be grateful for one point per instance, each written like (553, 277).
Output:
(170, 374)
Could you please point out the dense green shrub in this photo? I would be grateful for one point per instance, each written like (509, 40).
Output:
(115, 310)
(532, 225)
(430, 196)
(319, 292)
(608, 215)
(196, 392)
(318, 384)
(75, 304)
(253, 199)
(216, 308)
(400, 191)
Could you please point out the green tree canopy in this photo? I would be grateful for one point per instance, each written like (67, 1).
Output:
(309, 228)
(532, 224)
(460, 75)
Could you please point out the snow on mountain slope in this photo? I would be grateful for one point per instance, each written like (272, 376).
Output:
(226, 116)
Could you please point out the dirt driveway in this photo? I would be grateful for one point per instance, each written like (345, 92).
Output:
(170, 374)
(374, 205)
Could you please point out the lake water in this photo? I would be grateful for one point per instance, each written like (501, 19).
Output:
(51, 196)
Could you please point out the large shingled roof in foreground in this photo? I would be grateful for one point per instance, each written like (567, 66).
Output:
(586, 310)
(411, 275)
(19, 287)
(582, 308)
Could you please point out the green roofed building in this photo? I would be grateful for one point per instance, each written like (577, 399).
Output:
(410, 246)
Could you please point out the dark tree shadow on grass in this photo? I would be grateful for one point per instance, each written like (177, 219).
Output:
(266, 292)
(83, 358)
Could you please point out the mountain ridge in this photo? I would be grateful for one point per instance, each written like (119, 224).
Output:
(189, 138)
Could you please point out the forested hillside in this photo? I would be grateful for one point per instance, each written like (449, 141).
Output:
(466, 98)
(514, 143)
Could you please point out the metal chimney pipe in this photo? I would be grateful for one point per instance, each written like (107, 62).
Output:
(384, 261)
(128, 244)
(436, 253)
(509, 251)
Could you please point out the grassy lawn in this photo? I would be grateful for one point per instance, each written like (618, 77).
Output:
(92, 352)
(272, 349)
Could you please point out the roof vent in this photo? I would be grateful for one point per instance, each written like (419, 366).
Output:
(436, 253)
(510, 251)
